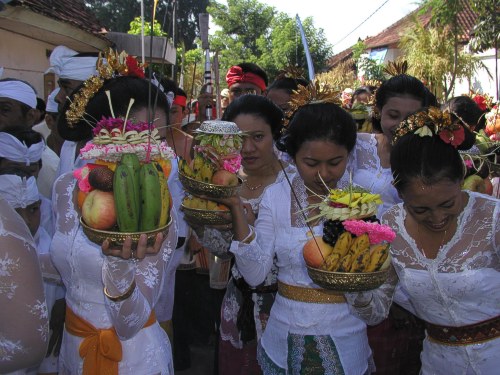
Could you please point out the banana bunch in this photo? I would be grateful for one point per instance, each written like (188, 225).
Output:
(202, 204)
(355, 254)
(142, 198)
(202, 169)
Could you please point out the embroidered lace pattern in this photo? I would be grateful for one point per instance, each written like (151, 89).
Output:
(459, 287)
(20, 297)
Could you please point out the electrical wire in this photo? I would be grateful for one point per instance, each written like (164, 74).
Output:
(357, 27)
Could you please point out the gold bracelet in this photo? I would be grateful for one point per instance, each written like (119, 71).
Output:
(248, 239)
(123, 296)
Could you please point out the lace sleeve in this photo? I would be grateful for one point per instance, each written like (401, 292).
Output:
(130, 315)
(23, 316)
(217, 242)
(373, 306)
(255, 260)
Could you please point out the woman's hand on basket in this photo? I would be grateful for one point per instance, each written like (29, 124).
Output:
(127, 251)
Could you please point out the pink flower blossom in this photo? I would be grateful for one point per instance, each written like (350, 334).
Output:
(110, 123)
(377, 233)
(232, 165)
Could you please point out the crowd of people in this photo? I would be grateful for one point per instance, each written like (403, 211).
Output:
(71, 306)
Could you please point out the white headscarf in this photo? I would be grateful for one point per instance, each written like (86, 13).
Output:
(18, 191)
(65, 63)
(19, 91)
(51, 102)
(13, 149)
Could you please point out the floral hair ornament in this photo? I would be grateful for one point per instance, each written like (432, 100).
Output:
(316, 92)
(429, 122)
(110, 64)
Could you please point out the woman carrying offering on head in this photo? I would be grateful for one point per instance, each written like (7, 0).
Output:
(447, 252)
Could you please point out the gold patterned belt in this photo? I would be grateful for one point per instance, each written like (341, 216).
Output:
(465, 335)
(311, 295)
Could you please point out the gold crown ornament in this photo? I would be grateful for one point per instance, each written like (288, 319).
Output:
(109, 64)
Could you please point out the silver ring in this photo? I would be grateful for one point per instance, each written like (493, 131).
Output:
(133, 254)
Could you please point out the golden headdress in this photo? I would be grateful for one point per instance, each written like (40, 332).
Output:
(395, 68)
(294, 72)
(430, 122)
(109, 64)
(315, 92)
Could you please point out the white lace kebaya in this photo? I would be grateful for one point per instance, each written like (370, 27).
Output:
(460, 287)
(85, 271)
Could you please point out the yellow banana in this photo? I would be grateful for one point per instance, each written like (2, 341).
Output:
(187, 202)
(379, 254)
(343, 244)
(197, 165)
(332, 262)
(165, 200)
(361, 261)
(206, 172)
(359, 244)
(345, 263)
(184, 168)
(211, 205)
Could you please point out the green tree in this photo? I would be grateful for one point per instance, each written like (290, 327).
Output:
(254, 32)
(430, 53)
(444, 15)
(282, 46)
(241, 23)
(136, 27)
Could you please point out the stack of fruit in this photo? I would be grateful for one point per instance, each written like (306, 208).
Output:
(125, 190)
(213, 171)
(353, 240)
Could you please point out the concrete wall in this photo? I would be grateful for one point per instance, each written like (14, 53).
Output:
(482, 82)
(25, 59)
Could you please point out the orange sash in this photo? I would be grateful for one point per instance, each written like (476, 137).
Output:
(101, 349)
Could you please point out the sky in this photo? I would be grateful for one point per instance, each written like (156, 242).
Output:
(339, 17)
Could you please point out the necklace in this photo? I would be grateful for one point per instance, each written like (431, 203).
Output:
(251, 188)
(440, 246)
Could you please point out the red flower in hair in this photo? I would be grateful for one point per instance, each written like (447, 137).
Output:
(481, 102)
(134, 69)
(454, 137)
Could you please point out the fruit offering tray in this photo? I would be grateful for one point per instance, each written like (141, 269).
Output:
(118, 238)
(348, 282)
(202, 217)
(208, 189)
(218, 127)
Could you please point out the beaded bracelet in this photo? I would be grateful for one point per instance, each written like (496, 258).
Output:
(123, 296)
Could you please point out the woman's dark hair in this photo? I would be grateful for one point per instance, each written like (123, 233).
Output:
(428, 158)
(325, 121)
(467, 110)
(258, 106)
(359, 91)
(287, 84)
(247, 67)
(122, 89)
(400, 85)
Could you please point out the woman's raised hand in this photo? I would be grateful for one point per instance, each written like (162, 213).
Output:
(127, 251)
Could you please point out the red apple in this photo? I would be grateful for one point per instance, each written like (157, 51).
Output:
(488, 186)
(474, 183)
(225, 178)
(98, 210)
(315, 251)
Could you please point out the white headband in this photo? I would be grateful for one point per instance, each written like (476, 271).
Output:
(51, 102)
(18, 191)
(19, 91)
(13, 149)
(65, 63)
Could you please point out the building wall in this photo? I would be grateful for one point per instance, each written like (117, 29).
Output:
(481, 82)
(26, 59)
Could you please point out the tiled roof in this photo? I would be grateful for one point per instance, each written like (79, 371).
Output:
(73, 12)
(390, 36)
